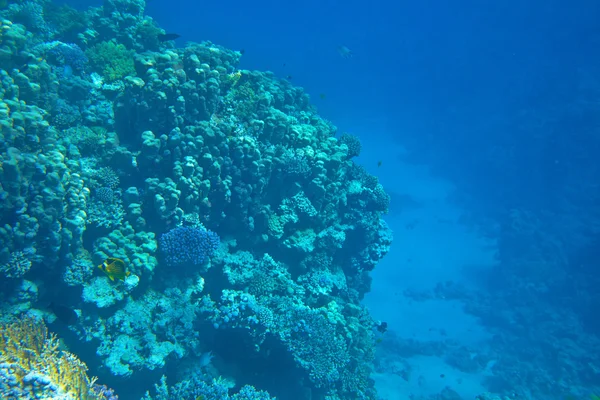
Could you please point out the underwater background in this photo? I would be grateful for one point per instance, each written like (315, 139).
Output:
(299, 200)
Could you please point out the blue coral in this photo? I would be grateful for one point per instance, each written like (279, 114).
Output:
(188, 245)
(69, 54)
(105, 195)
(65, 115)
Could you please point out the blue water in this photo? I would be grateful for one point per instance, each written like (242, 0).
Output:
(473, 109)
(482, 121)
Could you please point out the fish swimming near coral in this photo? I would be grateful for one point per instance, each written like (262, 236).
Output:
(168, 36)
(64, 314)
(114, 268)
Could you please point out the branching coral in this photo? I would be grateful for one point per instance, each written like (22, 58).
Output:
(353, 143)
(31, 366)
(188, 246)
(17, 265)
(198, 388)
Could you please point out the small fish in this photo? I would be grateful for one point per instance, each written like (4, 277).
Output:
(289, 77)
(382, 327)
(64, 314)
(114, 268)
(168, 36)
(345, 52)
(442, 376)
(322, 96)
(242, 51)
(379, 163)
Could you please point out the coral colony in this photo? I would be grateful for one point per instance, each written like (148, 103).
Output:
(193, 221)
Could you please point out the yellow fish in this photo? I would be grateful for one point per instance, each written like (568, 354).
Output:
(114, 268)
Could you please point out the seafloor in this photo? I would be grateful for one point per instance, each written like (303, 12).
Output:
(175, 220)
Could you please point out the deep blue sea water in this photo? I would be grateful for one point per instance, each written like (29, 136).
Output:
(474, 110)
(482, 121)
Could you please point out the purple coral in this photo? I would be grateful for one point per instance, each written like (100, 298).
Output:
(188, 246)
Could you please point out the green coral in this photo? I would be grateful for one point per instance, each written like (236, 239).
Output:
(113, 59)
(245, 100)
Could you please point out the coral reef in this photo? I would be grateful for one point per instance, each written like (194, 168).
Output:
(233, 206)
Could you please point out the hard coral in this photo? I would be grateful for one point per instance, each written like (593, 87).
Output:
(185, 245)
(353, 143)
(114, 60)
(68, 54)
(18, 264)
(108, 177)
(31, 366)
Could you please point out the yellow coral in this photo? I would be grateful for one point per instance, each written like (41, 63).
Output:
(234, 77)
(26, 345)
